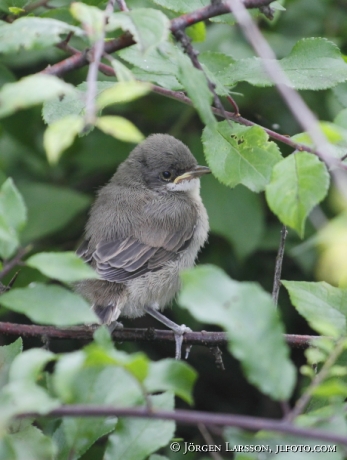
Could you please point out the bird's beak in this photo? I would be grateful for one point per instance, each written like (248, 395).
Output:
(196, 172)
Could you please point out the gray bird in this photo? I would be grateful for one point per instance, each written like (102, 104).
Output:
(146, 225)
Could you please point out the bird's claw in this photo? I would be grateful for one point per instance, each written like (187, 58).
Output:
(179, 332)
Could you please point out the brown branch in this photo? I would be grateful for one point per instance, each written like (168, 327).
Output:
(278, 266)
(10, 264)
(122, 5)
(203, 338)
(194, 418)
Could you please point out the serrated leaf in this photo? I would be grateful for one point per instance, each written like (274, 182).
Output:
(249, 317)
(313, 63)
(50, 208)
(60, 135)
(122, 92)
(29, 33)
(138, 438)
(120, 128)
(195, 84)
(64, 266)
(322, 305)
(172, 375)
(240, 155)
(92, 18)
(149, 27)
(30, 91)
(7, 354)
(49, 305)
(298, 183)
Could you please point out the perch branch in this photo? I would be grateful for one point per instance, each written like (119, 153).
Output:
(278, 266)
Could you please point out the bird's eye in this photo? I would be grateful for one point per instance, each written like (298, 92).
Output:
(166, 175)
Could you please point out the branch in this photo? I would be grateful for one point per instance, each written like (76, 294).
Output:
(278, 266)
(193, 418)
(203, 338)
(10, 264)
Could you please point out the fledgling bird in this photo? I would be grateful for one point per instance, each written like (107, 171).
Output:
(146, 225)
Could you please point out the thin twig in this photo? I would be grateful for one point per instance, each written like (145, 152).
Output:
(218, 357)
(96, 52)
(10, 264)
(209, 440)
(278, 266)
(191, 417)
(302, 402)
(122, 5)
(203, 338)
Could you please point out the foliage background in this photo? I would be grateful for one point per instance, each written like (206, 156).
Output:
(244, 233)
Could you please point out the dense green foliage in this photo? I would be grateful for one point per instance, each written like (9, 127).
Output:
(52, 162)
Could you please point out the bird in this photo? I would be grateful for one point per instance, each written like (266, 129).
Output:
(146, 225)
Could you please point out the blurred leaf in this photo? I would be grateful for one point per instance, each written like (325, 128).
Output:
(7, 355)
(331, 388)
(13, 216)
(5, 5)
(298, 183)
(240, 155)
(332, 244)
(340, 92)
(71, 104)
(6, 76)
(122, 92)
(122, 72)
(236, 214)
(50, 208)
(135, 439)
(92, 18)
(149, 27)
(49, 305)
(195, 84)
(120, 128)
(249, 316)
(27, 366)
(197, 32)
(173, 375)
(27, 444)
(60, 135)
(31, 90)
(314, 63)
(64, 266)
(323, 306)
(182, 6)
(29, 33)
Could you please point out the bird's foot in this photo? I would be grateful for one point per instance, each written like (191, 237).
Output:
(179, 331)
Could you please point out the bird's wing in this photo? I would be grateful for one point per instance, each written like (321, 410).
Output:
(124, 259)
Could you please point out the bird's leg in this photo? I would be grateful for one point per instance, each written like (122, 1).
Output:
(177, 330)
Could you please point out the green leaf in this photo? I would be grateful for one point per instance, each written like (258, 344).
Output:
(195, 83)
(322, 305)
(7, 355)
(138, 438)
(197, 32)
(169, 374)
(240, 155)
(13, 217)
(249, 317)
(30, 91)
(149, 27)
(71, 104)
(314, 63)
(50, 208)
(298, 183)
(63, 266)
(49, 305)
(29, 33)
(27, 366)
(182, 6)
(76, 435)
(5, 5)
(122, 72)
(247, 231)
(120, 128)
(122, 92)
(60, 135)
(29, 444)
(92, 18)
